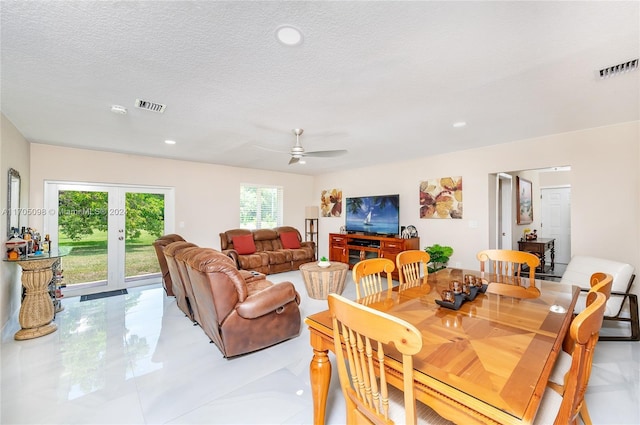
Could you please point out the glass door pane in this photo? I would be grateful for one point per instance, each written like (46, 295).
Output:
(144, 223)
(83, 228)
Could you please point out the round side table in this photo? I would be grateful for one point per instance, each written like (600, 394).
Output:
(320, 281)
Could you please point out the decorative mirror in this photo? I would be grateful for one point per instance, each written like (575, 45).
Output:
(13, 201)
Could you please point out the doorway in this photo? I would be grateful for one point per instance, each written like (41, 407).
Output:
(555, 207)
(108, 231)
(505, 207)
(551, 211)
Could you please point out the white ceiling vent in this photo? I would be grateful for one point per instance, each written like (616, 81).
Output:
(150, 106)
(610, 71)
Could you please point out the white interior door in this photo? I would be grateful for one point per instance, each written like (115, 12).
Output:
(556, 220)
(506, 209)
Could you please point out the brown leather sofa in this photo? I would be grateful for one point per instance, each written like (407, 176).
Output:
(159, 245)
(176, 254)
(240, 316)
(182, 294)
(267, 251)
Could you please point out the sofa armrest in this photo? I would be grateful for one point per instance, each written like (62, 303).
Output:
(233, 254)
(268, 300)
(310, 244)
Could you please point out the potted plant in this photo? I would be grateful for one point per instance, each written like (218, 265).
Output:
(324, 262)
(439, 257)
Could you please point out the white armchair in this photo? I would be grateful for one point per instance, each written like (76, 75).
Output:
(579, 271)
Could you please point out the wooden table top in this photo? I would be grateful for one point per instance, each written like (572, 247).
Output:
(314, 267)
(495, 353)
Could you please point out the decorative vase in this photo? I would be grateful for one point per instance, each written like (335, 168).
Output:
(323, 264)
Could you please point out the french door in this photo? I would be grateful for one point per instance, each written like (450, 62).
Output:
(108, 231)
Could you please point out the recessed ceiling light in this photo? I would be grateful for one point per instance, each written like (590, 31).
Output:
(459, 124)
(117, 109)
(170, 142)
(288, 35)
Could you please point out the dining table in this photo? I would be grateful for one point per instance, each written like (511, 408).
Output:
(486, 362)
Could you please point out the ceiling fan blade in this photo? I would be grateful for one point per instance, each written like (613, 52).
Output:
(294, 160)
(264, 148)
(326, 154)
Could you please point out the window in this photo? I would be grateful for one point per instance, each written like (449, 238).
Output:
(260, 206)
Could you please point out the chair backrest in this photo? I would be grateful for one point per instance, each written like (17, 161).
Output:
(509, 262)
(600, 282)
(581, 268)
(159, 245)
(412, 265)
(369, 274)
(177, 280)
(584, 332)
(367, 334)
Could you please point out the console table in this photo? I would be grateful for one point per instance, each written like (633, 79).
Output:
(540, 247)
(354, 247)
(37, 310)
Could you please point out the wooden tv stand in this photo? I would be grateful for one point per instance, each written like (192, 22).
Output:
(354, 247)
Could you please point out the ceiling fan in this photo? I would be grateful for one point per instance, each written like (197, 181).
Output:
(297, 152)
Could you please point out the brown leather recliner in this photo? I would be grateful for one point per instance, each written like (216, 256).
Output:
(177, 280)
(159, 245)
(182, 257)
(240, 316)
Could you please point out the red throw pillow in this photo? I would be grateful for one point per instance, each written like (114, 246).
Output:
(244, 244)
(289, 240)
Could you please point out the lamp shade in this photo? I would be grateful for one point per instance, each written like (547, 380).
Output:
(311, 212)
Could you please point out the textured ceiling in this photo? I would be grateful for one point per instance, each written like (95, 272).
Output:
(384, 80)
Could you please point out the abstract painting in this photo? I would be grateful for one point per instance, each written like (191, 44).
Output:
(331, 203)
(441, 198)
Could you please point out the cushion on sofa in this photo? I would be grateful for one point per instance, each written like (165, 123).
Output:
(244, 244)
(580, 269)
(290, 240)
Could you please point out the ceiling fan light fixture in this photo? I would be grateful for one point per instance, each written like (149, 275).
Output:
(289, 35)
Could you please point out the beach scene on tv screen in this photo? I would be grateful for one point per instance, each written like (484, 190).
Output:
(373, 214)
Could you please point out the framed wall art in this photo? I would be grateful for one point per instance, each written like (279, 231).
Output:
(524, 200)
(441, 198)
(331, 203)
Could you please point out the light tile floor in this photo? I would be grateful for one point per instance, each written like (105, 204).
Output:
(136, 359)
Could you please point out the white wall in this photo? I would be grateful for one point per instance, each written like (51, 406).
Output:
(605, 216)
(14, 153)
(207, 196)
(604, 179)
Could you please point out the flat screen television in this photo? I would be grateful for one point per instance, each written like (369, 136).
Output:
(373, 215)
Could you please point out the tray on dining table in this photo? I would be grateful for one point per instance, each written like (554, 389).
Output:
(462, 297)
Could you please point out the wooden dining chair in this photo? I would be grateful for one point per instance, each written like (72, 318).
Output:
(369, 276)
(367, 334)
(564, 409)
(600, 282)
(412, 265)
(508, 262)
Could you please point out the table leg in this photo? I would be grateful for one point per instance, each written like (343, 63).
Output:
(553, 255)
(320, 372)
